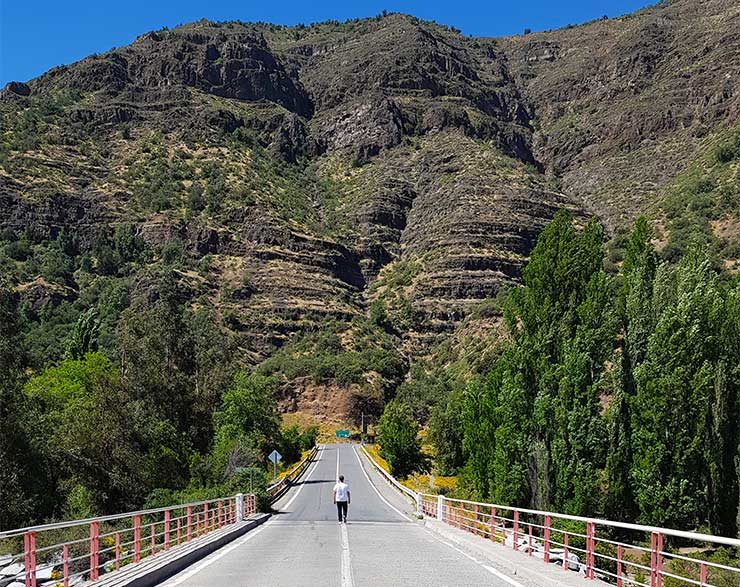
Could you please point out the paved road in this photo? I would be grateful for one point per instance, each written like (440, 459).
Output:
(305, 545)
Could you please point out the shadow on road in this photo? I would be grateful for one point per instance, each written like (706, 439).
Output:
(314, 482)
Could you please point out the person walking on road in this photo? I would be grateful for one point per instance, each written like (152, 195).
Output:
(341, 496)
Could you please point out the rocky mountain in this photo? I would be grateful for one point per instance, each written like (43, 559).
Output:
(379, 167)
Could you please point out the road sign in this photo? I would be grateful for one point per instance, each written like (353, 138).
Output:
(274, 457)
(342, 433)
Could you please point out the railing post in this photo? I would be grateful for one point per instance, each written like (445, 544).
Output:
(179, 535)
(548, 522)
(660, 560)
(530, 539)
(167, 529)
(493, 523)
(137, 538)
(566, 561)
(65, 566)
(656, 560)
(516, 530)
(29, 558)
(590, 550)
(619, 565)
(441, 508)
(475, 519)
(118, 551)
(205, 518)
(239, 507)
(152, 539)
(189, 522)
(94, 550)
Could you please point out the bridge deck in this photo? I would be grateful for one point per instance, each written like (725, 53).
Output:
(382, 543)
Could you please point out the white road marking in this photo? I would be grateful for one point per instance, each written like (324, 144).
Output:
(488, 568)
(333, 522)
(308, 476)
(380, 495)
(209, 560)
(346, 560)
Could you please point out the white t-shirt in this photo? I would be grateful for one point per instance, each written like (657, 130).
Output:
(341, 490)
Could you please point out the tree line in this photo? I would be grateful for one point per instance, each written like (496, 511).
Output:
(162, 414)
(614, 394)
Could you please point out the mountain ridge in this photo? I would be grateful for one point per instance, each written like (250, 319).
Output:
(307, 174)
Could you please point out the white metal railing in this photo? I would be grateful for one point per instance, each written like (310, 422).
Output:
(391, 479)
(617, 552)
(276, 489)
(86, 549)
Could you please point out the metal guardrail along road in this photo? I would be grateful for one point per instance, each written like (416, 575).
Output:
(381, 544)
(76, 551)
(590, 546)
(278, 488)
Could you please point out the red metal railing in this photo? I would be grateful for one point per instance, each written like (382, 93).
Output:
(620, 553)
(88, 548)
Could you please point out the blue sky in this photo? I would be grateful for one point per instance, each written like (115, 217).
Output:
(38, 34)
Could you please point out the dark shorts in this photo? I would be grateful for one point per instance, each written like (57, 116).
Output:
(342, 510)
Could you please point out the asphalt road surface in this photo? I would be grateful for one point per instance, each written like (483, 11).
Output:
(381, 544)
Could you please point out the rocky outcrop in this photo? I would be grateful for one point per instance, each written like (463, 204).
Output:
(215, 60)
(622, 104)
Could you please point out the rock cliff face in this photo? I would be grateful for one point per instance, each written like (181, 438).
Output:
(311, 171)
(623, 104)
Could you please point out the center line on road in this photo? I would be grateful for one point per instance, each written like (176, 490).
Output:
(346, 560)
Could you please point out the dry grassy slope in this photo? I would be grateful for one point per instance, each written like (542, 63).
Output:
(385, 159)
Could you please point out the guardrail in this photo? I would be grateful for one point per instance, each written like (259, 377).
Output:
(617, 552)
(413, 495)
(73, 551)
(277, 489)
(621, 553)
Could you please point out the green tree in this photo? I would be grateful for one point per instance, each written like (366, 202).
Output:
(248, 416)
(446, 433)
(84, 336)
(398, 438)
(635, 308)
(684, 409)
(176, 360)
(15, 485)
(533, 432)
(107, 451)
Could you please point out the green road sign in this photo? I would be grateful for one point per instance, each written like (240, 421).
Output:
(342, 433)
